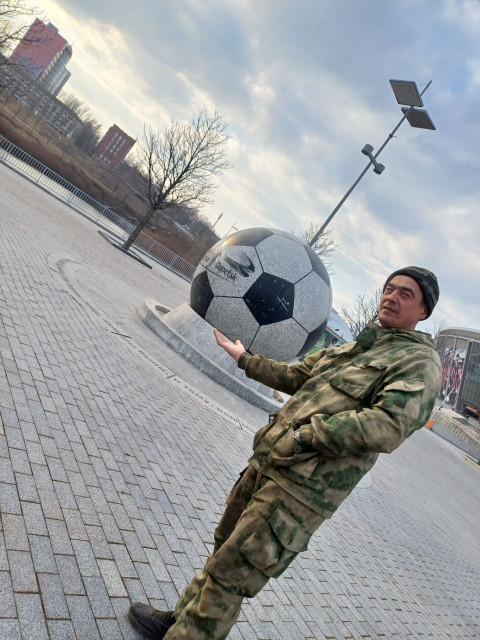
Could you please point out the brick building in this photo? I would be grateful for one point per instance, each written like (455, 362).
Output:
(43, 54)
(113, 147)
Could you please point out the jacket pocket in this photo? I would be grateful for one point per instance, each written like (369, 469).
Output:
(276, 543)
(406, 396)
(360, 378)
(408, 386)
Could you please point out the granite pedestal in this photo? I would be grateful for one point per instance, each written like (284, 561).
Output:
(192, 337)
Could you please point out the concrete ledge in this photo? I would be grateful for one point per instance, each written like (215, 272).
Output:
(457, 437)
(192, 337)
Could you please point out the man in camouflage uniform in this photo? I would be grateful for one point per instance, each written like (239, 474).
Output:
(348, 404)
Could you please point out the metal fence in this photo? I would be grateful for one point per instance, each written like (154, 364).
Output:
(38, 173)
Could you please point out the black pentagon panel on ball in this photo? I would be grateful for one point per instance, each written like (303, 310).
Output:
(270, 299)
(201, 294)
(312, 339)
(248, 237)
(317, 264)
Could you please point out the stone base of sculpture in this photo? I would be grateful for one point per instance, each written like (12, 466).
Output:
(189, 335)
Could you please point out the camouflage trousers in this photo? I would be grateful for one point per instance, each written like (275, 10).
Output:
(261, 531)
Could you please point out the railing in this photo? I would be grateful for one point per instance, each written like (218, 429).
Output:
(40, 174)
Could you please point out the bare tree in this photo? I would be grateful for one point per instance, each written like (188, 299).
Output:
(365, 310)
(12, 26)
(74, 103)
(130, 171)
(324, 246)
(89, 135)
(434, 330)
(180, 165)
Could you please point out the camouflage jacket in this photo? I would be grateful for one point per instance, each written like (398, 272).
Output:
(350, 403)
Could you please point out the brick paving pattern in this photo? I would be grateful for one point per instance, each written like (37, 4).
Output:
(116, 457)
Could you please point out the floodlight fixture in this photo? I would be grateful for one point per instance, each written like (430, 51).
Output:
(406, 92)
(367, 150)
(418, 118)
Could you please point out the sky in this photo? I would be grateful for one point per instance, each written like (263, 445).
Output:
(303, 86)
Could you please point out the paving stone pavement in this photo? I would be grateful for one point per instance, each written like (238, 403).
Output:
(117, 455)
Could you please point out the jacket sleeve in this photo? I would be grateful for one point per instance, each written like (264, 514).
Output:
(401, 405)
(278, 375)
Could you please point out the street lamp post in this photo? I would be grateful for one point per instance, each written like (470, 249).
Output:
(220, 216)
(406, 93)
(231, 229)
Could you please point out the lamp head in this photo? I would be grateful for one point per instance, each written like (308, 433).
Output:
(367, 150)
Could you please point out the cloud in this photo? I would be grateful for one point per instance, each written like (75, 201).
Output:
(304, 86)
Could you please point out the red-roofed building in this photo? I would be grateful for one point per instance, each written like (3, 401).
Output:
(43, 54)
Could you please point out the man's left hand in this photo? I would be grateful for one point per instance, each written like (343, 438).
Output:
(234, 349)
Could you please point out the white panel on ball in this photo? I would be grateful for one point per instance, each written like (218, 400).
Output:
(296, 266)
(232, 317)
(280, 340)
(233, 270)
(285, 234)
(311, 289)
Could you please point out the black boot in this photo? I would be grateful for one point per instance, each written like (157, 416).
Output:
(151, 623)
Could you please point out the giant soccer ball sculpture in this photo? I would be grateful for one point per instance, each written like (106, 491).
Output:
(266, 288)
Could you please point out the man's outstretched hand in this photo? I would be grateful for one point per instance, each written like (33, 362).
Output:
(233, 349)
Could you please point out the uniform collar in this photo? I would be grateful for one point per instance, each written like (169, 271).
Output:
(374, 332)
